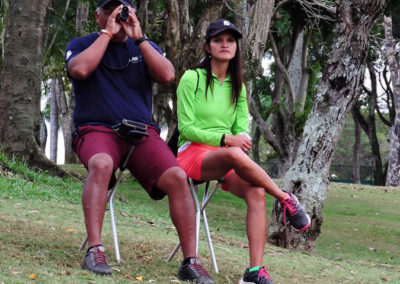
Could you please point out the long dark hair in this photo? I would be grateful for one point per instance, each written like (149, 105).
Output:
(234, 69)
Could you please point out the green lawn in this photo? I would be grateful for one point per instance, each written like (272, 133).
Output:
(41, 227)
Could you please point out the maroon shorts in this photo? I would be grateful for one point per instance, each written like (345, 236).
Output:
(150, 159)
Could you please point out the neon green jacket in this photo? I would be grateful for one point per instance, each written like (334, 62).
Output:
(204, 120)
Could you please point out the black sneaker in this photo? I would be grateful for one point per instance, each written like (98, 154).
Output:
(295, 214)
(192, 270)
(260, 276)
(96, 261)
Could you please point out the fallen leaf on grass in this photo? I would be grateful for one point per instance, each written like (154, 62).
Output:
(69, 229)
(148, 260)
(139, 278)
(127, 276)
(64, 272)
(15, 272)
(385, 279)
(32, 276)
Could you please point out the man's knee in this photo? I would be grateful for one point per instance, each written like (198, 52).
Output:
(101, 165)
(172, 179)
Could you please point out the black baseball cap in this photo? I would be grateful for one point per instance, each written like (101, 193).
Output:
(221, 25)
(102, 3)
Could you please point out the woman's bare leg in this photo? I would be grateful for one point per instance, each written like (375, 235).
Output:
(256, 219)
(217, 163)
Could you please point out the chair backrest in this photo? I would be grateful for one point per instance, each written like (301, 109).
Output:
(173, 139)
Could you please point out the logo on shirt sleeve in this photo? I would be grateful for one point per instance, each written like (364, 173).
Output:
(69, 52)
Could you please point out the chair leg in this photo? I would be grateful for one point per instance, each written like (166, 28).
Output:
(201, 211)
(206, 198)
(193, 191)
(114, 228)
(83, 244)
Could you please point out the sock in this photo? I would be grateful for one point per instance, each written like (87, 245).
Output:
(92, 247)
(187, 260)
(255, 268)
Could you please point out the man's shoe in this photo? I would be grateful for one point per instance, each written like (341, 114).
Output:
(295, 214)
(260, 276)
(192, 270)
(96, 261)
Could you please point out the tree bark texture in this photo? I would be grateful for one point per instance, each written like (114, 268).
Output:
(65, 107)
(82, 13)
(337, 93)
(393, 174)
(356, 151)
(53, 121)
(21, 82)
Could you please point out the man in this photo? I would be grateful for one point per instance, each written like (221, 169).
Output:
(111, 72)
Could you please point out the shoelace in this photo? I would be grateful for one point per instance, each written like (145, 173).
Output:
(98, 256)
(262, 273)
(199, 269)
(290, 205)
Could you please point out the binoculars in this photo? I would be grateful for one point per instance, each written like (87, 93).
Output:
(124, 14)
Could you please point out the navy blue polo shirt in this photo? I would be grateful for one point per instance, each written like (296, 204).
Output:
(119, 88)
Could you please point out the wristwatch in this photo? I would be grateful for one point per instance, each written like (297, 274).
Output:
(140, 40)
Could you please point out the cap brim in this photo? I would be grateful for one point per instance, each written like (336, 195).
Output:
(235, 33)
(121, 1)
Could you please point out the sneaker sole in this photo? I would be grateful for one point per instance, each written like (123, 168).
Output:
(95, 272)
(241, 281)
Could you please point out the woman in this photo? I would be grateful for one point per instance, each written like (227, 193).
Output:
(213, 140)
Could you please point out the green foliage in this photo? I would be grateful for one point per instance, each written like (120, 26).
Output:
(343, 154)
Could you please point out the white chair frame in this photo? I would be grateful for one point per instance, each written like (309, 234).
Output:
(201, 211)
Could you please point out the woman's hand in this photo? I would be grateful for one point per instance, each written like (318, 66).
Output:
(240, 141)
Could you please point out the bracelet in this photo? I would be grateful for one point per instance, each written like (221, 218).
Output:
(104, 31)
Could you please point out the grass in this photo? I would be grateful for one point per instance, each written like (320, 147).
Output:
(41, 227)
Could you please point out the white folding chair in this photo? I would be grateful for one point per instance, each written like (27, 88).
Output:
(201, 211)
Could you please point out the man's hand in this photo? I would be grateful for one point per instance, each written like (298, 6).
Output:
(113, 26)
(132, 26)
(240, 141)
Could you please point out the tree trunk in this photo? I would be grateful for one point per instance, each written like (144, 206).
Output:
(356, 151)
(337, 93)
(255, 149)
(53, 121)
(65, 109)
(393, 174)
(82, 13)
(369, 126)
(21, 83)
(43, 133)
